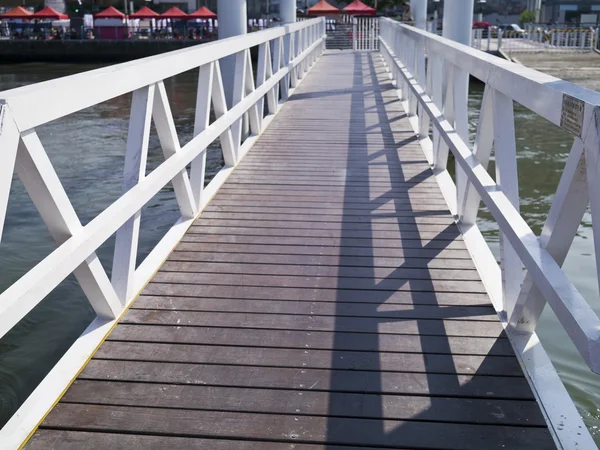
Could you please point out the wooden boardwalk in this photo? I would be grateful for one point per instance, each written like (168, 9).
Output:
(324, 300)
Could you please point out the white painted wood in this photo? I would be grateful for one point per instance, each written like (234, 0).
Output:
(591, 135)
(9, 142)
(201, 122)
(507, 181)
(77, 250)
(294, 50)
(565, 215)
(49, 197)
(169, 142)
(43, 102)
(437, 97)
(426, 83)
(254, 115)
(277, 64)
(461, 124)
(482, 149)
(136, 155)
(441, 157)
(239, 87)
(264, 61)
(286, 58)
(219, 103)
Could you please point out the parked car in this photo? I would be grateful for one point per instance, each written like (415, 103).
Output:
(512, 28)
(484, 25)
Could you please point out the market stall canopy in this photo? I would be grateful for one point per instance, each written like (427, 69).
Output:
(110, 13)
(358, 8)
(144, 13)
(16, 13)
(203, 13)
(173, 13)
(323, 8)
(49, 13)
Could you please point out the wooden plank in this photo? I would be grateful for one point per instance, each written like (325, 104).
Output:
(320, 203)
(346, 234)
(347, 220)
(357, 381)
(356, 227)
(49, 439)
(251, 192)
(354, 309)
(434, 243)
(311, 358)
(321, 260)
(290, 428)
(330, 340)
(371, 406)
(432, 327)
(345, 205)
(422, 188)
(333, 211)
(368, 273)
(313, 294)
(344, 253)
(313, 282)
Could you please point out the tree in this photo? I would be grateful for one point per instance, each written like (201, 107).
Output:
(526, 17)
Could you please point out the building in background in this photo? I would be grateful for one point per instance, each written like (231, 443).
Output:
(573, 11)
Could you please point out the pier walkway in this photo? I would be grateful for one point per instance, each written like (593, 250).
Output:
(324, 298)
(329, 287)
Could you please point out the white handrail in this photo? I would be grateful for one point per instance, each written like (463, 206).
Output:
(285, 55)
(431, 75)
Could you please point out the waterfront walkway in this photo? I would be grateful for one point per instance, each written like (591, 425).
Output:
(324, 299)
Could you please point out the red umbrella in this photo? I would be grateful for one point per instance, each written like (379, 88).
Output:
(203, 13)
(358, 8)
(49, 13)
(110, 13)
(174, 13)
(16, 13)
(144, 13)
(323, 8)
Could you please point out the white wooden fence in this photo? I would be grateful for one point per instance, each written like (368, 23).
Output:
(571, 40)
(285, 56)
(431, 75)
(365, 33)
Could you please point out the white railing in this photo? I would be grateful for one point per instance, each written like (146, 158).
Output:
(285, 54)
(551, 40)
(365, 33)
(431, 75)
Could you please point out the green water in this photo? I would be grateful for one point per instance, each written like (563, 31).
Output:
(542, 151)
(91, 175)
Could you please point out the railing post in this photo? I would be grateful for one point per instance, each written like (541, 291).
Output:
(354, 26)
(567, 209)
(507, 180)
(126, 244)
(287, 49)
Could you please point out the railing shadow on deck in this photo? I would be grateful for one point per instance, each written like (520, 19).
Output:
(374, 430)
(431, 76)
